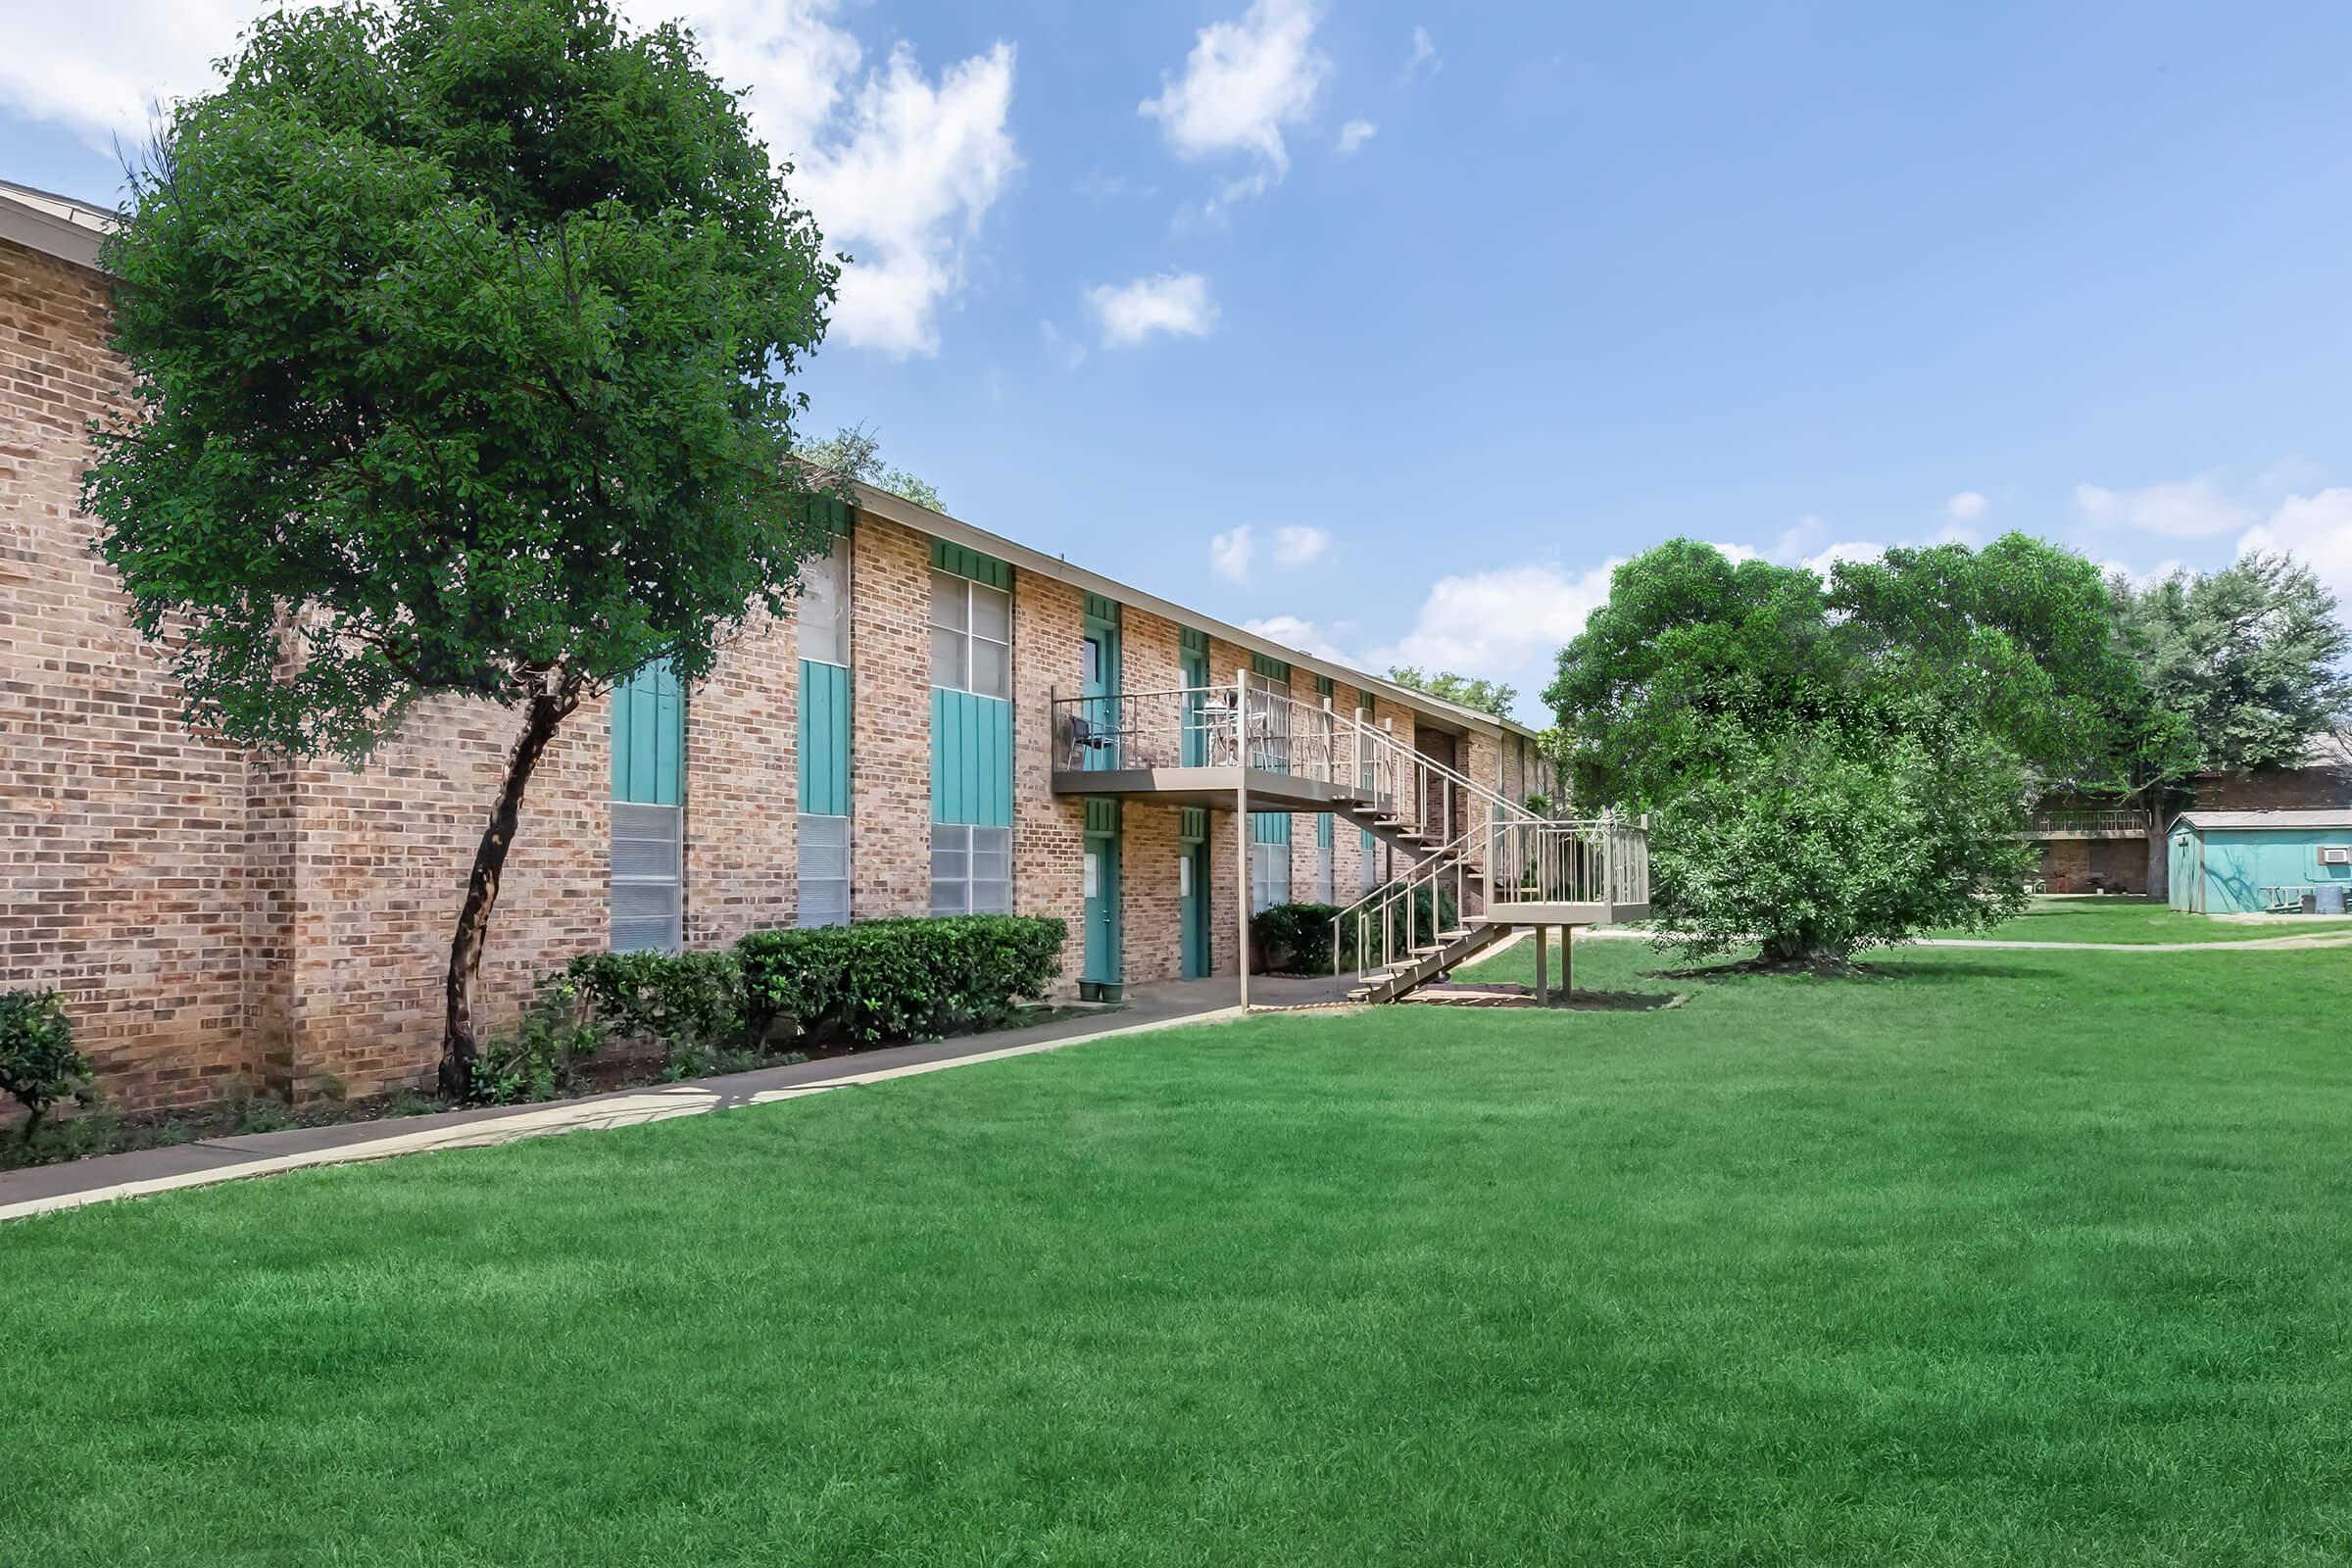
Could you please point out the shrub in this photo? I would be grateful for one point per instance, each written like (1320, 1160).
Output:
(691, 1003)
(542, 1058)
(879, 981)
(1293, 938)
(39, 1064)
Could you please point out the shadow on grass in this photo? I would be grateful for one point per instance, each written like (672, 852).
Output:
(1856, 972)
(1621, 1001)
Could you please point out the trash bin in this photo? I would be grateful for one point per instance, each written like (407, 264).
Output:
(2329, 900)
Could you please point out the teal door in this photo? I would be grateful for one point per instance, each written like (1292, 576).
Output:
(1192, 866)
(1098, 684)
(1196, 738)
(1101, 909)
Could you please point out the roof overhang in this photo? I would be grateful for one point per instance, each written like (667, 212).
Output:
(939, 525)
(54, 225)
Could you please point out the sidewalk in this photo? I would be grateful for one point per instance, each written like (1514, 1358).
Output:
(219, 1159)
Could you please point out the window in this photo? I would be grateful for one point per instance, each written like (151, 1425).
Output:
(1368, 864)
(1269, 876)
(648, 916)
(971, 636)
(824, 608)
(1323, 874)
(971, 869)
(648, 849)
(824, 870)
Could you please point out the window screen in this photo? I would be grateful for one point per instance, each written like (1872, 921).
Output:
(1269, 876)
(824, 870)
(648, 910)
(971, 636)
(971, 869)
(824, 607)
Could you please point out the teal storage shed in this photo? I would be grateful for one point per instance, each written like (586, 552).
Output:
(2244, 863)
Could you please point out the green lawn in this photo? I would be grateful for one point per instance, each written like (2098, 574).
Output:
(1987, 1256)
(2089, 917)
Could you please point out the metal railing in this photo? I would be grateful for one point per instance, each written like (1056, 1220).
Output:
(2090, 822)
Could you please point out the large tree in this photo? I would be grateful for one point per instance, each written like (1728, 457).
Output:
(2240, 669)
(853, 452)
(1479, 695)
(1834, 765)
(460, 333)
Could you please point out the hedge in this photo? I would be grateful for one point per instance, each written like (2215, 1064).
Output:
(879, 981)
(1293, 938)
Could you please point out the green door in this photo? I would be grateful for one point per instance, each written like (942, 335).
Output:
(1098, 684)
(1194, 868)
(1195, 681)
(1101, 909)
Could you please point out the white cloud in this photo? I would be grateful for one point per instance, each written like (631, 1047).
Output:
(1242, 83)
(1304, 635)
(1425, 56)
(1231, 552)
(899, 167)
(1354, 135)
(99, 81)
(1178, 304)
(1296, 546)
(1967, 504)
(2186, 508)
(1861, 550)
(2317, 530)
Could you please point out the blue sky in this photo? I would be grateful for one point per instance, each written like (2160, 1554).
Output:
(1805, 280)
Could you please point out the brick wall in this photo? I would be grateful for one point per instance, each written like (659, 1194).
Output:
(890, 723)
(2284, 788)
(1048, 830)
(1151, 906)
(125, 873)
(743, 787)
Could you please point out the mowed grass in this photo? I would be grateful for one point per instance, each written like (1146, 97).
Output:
(2122, 918)
(1990, 1257)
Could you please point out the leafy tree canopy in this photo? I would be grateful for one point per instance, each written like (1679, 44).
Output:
(2240, 668)
(854, 452)
(1483, 696)
(460, 332)
(1836, 763)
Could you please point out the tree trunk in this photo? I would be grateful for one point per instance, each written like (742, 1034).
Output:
(2160, 864)
(461, 1039)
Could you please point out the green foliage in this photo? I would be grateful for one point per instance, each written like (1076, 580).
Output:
(458, 333)
(557, 1035)
(852, 453)
(691, 1003)
(1830, 766)
(1825, 841)
(878, 981)
(1293, 938)
(2241, 669)
(39, 1064)
(1484, 696)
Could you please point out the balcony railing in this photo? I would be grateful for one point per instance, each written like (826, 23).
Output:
(2089, 823)
(1208, 727)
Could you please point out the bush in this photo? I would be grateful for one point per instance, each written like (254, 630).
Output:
(39, 1064)
(879, 981)
(1293, 938)
(542, 1058)
(691, 1003)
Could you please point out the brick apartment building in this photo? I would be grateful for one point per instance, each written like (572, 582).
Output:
(2087, 847)
(927, 735)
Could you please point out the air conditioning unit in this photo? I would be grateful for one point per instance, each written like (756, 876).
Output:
(2335, 855)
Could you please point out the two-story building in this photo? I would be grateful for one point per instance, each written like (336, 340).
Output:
(949, 722)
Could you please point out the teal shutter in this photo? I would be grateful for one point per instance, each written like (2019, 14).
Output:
(825, 739)
(1270, 828)
(971, 759)
(649, 738)
(971, 564)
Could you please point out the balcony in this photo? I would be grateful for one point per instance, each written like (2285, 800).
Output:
(1206, 745)
(2089, 823)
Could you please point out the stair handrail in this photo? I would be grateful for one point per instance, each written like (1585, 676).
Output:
(1430, 869)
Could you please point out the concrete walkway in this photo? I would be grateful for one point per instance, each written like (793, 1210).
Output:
(219, 1159)
(2254, 944)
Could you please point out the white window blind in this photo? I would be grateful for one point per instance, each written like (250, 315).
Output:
(824, 870)
(648, 881)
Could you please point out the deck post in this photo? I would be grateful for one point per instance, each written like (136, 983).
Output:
(1567, 965)
(1241, 831)
(1542, 969)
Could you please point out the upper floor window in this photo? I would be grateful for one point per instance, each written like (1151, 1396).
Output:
(824, 607)
(971, 636)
